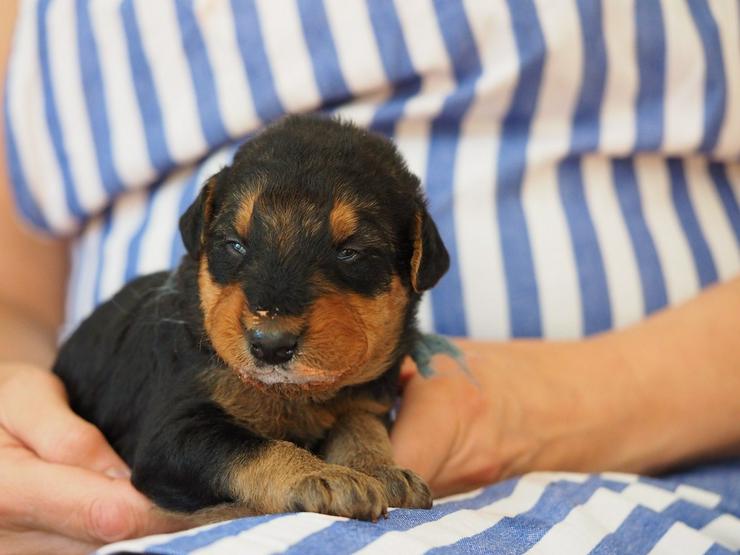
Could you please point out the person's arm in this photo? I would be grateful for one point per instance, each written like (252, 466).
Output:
(59, 488)
(658, 394)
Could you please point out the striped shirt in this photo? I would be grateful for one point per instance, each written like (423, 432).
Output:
(581, 157)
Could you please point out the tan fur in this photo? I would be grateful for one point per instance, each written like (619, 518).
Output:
(267, 414)
(418, 251)
(343, 221)
(244, 215)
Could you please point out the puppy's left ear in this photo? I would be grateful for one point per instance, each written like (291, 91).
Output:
(430, 259)
(193, 222)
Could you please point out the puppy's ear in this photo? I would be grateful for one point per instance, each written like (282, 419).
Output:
(195, 219)
(430, 259)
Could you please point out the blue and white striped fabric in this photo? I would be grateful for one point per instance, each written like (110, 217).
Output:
(581, 158)
(549, 513)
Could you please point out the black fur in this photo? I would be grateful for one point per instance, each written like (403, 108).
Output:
(135, 367)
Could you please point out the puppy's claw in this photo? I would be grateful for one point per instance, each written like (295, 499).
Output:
(340, 491)
(403, 488)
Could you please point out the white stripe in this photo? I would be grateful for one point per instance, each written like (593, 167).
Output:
(70, 101)
(713, 218)
(622, 477)
(412, 139)
(273, 536)
(649, 496)
(235, 101)
(586, 525)
(87, 271)
(457, 497)
(724, 530)
(128, 142)
(139, 545)
(156, 244)
(681, 539)
(684, 80)
(679, 270)
(733, 176)
(288, 54)
(468, 522)
(28, 122)
(128, 213)
(356, 48)
(552, 248)
(620, 263)
(162, 43)
(479, 244)
(429, 59)
(698, 496)
(617, 128)
(727, 16)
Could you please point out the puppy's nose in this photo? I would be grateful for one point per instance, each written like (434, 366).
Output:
(272, 347)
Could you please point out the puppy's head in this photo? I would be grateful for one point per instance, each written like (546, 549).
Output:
(313, 248)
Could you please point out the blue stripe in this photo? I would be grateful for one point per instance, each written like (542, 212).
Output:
(399, 69)
(521, 283)
(596, 308)
(705, 267)
(189, 193)
(651, 58)
(185, 544)
(718, 172)
(92, 84)
(201, 73)
(353, 535)
(134, 246)
(717, 549)
(691, 514)
(447, 297)
(597, 315)
(639, 533)
(651, 273)
(107, 225)
(146, 93)
(256, 64)
(52, 117)
(323, 51)
(715, 85)
(519, 533)
(21, 191)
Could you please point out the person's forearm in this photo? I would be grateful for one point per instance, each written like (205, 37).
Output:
(663, 392)
(24, 338)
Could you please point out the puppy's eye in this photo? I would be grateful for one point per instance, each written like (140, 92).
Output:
(237, 247)
(347, 255)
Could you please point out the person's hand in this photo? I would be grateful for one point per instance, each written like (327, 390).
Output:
(64, 489)
(519, 411)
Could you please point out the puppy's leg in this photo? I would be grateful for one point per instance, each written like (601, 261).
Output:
(359, 440)
(199, 461)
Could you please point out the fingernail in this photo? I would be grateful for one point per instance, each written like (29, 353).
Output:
(118, 472)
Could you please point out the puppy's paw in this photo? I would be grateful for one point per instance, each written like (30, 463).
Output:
(340, 491)
(403, 488)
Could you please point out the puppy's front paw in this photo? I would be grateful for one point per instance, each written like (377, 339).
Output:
(341, 491)
(403, 488)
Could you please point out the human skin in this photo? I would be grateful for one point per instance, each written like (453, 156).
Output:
(658, 394)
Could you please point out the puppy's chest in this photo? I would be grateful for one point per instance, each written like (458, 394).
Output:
(299, 421)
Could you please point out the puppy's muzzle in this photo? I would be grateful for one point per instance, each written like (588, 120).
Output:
(272, 346)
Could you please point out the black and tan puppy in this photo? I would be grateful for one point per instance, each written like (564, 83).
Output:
(258, 376)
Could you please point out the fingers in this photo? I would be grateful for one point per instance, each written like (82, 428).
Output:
(34, 409)
(424, 432)
(33, 541)
(75, 502)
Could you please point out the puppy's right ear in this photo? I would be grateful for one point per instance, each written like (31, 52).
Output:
(193, 222)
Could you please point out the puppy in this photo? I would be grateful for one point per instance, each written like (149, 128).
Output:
(259, 375)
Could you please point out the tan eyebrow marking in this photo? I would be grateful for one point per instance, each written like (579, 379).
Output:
(343, 221)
